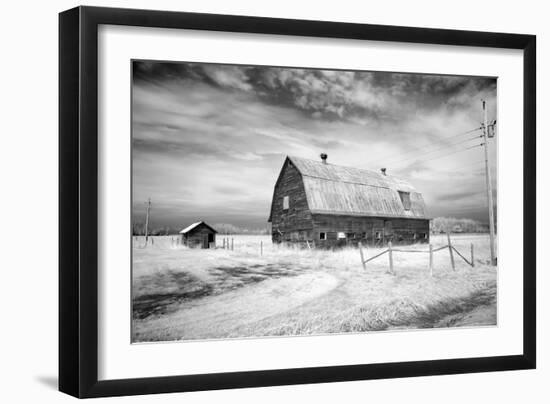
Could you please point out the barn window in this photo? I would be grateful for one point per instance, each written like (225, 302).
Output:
(322, 236)
(405, 199)
(286, 203)
(341, 235)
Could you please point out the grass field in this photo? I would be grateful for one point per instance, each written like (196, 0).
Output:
(181, 293)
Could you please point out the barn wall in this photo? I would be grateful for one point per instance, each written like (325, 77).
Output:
(369, 230)
(295, 223)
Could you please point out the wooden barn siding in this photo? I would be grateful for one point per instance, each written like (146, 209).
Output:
(403, 230)
(195, 237)
(298, 217)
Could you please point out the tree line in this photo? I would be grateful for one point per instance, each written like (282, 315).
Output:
(437, 225)
(454, 225)
(138, 229)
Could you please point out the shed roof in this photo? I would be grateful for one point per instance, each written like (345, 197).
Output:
(196, 224)
(333, 189)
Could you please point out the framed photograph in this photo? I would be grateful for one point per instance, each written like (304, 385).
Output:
(251, 201)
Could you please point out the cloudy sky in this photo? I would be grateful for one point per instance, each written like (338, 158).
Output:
(208, 140)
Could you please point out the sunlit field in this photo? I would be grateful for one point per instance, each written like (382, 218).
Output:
(260, 289)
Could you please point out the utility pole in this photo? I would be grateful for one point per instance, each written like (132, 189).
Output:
(489, 185)
(147, 221)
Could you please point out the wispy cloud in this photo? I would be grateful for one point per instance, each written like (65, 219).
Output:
(209, 140)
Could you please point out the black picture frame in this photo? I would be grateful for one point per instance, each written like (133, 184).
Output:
(78, 201)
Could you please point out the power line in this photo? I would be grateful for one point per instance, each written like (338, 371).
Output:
(474, 164)
(447, 154)
(469, 209)
(477, 171)
(463, 133)
(456, 151)
(478, 167)
(433, 150)
(393, 155)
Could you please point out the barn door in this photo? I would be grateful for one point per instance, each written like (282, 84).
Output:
(378, 233)
(210, 240)
(388, 230)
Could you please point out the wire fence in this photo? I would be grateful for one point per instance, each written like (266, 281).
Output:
(431, 250)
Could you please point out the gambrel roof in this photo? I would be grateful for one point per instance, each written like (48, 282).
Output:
(339, 190)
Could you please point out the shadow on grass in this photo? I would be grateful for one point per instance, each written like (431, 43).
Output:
(407, 315)
(175, 287)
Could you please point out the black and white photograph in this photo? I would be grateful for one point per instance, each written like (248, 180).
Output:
(283, 201)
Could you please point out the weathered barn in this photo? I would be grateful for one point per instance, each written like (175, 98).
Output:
(330, 205)
(199, 235)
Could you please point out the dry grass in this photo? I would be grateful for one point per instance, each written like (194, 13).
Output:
(179, 293)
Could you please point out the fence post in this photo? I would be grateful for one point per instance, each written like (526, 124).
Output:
(431, 260)
(472, 253)
(362, 257)
(261, 247)
(390, 253)
(451, 251)
(232, 243)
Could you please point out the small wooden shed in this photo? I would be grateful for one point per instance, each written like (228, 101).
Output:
(199, 235)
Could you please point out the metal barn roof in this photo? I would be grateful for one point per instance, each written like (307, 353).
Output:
(333, 189)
